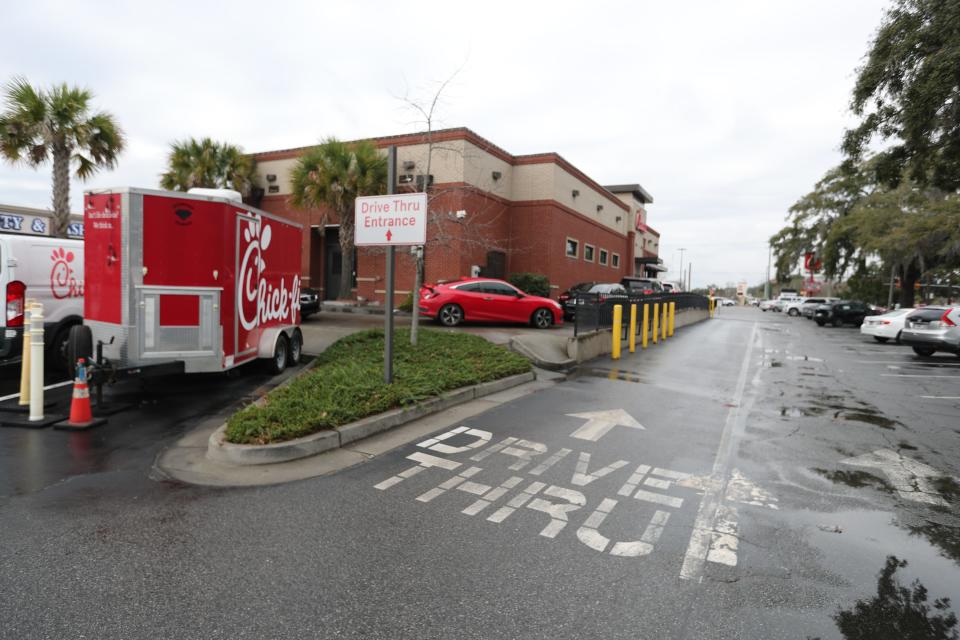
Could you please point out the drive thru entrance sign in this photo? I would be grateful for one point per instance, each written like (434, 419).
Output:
(391, 220)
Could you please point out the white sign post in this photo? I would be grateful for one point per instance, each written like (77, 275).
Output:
(391, 220)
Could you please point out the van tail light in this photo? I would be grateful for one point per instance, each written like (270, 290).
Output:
(945, 318)
(16, 291)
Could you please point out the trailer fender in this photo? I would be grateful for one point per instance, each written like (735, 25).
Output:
(268, 339)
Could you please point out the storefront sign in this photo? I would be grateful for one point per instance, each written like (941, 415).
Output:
(399, 219)
(34, 225)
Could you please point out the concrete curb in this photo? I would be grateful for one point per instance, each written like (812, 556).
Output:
(529, 354)
(221, 451)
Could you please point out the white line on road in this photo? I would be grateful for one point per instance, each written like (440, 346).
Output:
(916, 375)
(706, 523)
(911, 363)
(47, 388)
(941, 397)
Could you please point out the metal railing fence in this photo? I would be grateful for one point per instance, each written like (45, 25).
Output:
(594, 311)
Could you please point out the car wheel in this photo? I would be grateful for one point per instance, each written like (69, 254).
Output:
(542, 319)
(880, 340)
(924, 351)
(793, 312)
(450, 315)
(281, 349)
(820, 322)
(296, 348)
(837, 322)
(897, 339)
(764, 310)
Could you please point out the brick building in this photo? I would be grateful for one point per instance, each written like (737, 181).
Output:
(491, 213)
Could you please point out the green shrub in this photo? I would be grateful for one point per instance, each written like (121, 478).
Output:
(347, 382)
(533, 283)
(407, 304)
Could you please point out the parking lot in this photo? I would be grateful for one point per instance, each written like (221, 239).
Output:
(748, 478)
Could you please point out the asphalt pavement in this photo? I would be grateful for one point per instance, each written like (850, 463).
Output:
(749, 478)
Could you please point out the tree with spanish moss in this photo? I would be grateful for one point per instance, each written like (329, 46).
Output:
(58, 124)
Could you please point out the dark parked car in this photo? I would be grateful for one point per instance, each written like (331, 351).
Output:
(603, 291)
(309, 302)
(842, 312)
(567, 297)
(645, 286)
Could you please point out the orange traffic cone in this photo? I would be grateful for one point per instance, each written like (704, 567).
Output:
(81, 415)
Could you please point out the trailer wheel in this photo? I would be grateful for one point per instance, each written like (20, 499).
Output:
(79, 345)
(281, 349)
(57, 349)
(296, 348)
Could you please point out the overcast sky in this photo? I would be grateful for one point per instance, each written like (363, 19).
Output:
(726, 112)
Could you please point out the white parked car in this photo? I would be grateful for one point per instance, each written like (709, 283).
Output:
(885, 327)
(768, 305)
(50, 271)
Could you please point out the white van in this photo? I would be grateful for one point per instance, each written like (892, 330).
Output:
(50, 271)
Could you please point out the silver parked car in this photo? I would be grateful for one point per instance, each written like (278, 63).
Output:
(932, 329)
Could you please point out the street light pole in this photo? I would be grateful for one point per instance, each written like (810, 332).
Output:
(766, 285)
(682, 249)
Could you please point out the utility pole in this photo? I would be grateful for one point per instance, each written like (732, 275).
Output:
(682, 249)
(893, 271)
(766, 284)
(391, 253)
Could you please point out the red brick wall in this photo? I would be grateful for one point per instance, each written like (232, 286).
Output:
(533, 235)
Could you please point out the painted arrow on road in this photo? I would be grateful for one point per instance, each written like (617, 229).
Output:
(910, 478)
(600, 422)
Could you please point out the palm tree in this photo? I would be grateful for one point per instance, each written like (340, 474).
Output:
(330, 177)
(58, 124)
(207, 163)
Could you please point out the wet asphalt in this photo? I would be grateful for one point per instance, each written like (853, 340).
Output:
(735, 512)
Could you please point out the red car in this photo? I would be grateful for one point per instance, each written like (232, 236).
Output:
(487, 300)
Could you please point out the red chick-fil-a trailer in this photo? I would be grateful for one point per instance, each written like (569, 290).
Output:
(187, 281)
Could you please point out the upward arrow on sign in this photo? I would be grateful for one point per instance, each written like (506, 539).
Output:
(389, 235)
(600, 422)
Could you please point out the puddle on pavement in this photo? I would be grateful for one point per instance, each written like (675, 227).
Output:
(609, 374)
(856, 479)
(868, 418)
(902, 608)
(799, 412)
(907, 446)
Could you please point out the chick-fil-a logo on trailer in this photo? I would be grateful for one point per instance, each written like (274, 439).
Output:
(63, 279)
(257, 300)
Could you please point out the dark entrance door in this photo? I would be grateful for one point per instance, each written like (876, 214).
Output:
(496, 266)
(332, 263)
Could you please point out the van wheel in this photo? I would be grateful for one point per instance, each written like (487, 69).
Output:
(924, 351)
(79, 345)
(281, 349)
(296, 348)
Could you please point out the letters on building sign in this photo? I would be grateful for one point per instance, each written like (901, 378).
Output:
(35, 225)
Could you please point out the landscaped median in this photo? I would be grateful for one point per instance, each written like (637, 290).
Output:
(343, 397)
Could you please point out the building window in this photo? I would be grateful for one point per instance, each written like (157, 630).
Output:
(573, 248)
(616, 261)
(588, 252)
(603, 257)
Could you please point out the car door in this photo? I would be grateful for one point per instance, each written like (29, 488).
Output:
(470, 298)
(503, 303)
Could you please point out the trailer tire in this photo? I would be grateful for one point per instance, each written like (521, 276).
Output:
(58, 349)
(281, 349)
(79, 345)
(296, 348)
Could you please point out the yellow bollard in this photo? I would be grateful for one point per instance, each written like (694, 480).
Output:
(673, 312)
(633, 328)
(617, 329)
(663, 324)
(646, 325)
(25, 354)
(656, 321)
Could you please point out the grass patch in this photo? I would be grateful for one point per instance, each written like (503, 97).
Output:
(347, 382)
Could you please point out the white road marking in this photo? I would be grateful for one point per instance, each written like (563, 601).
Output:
(631, 485)
(600, 422)
(492, 496)
(581, 478)
(557, 512)
(916, 375)
(435, 444)
(724, 541)
(47, 388)
(525, 450)
(658, 498)
(549, 462)
(703, 527)
(744, 491)
(941, 397)
(518, 501)
(909, 477)
(456, 482)
(424, 461)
